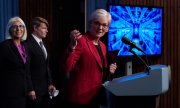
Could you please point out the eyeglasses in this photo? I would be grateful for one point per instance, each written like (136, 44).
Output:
(17, 26)
(99, 24)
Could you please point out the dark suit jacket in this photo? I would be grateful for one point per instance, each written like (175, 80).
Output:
(86, 70)
(12, 71)
(40, 75)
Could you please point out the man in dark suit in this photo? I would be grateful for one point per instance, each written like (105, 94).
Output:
(40, 81)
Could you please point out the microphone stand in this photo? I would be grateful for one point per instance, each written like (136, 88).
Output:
(147, 67)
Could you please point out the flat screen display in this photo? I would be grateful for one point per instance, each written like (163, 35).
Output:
(140, 24)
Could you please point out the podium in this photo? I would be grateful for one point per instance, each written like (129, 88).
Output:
(147, 84)
(154, 82)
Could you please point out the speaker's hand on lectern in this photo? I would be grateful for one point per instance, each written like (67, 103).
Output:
(112, 68)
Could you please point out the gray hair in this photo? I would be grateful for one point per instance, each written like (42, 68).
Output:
(10, 23)
(98, 14)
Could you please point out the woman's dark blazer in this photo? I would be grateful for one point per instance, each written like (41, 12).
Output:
(12, 71)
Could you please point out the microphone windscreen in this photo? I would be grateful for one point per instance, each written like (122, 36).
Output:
(125, 40)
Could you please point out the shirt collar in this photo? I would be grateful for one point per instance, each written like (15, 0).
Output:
(36, 38)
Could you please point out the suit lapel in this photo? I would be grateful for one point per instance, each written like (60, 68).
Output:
(15, 50)
(103, 49)
(95, 53)
(36, 46)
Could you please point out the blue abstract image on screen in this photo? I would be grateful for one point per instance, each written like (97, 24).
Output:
(142, 25)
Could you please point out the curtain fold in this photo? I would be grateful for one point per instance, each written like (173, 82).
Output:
(8, 9)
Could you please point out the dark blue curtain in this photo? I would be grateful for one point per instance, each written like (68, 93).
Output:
(91, 5)
(8, 9)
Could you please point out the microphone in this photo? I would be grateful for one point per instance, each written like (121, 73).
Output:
(132, 44)
(147, 66)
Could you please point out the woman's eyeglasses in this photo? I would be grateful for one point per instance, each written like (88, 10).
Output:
(17, 26)
(99, 24)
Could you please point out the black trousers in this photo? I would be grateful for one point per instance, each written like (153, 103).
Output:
(19, 102)
(99, 100)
